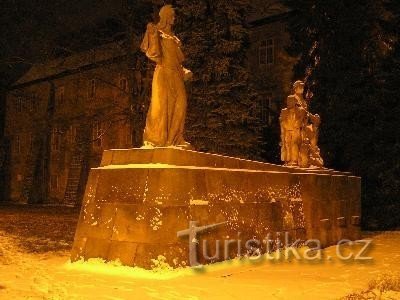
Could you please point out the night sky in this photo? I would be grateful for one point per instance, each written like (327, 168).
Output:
(31, 29)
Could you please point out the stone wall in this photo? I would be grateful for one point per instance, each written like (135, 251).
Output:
(137, 202)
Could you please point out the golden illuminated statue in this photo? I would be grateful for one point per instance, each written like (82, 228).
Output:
(298, 89)
(304, 152)
(292, 120)
(167, 112)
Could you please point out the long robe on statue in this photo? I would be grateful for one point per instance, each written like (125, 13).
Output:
(167, 112)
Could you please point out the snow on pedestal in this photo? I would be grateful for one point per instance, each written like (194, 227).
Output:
(138, 200)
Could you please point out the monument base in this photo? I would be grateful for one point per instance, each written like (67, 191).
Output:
(139, 199)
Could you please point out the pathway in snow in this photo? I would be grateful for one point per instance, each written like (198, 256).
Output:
(49, 276)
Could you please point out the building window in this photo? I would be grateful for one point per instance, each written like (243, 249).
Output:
(71, 134)
(92, 88)
(266, 52)
(54, 182)
(32, 105)
(97, 135)
(123, 84)
(17, 145)
(267, 109)
(18, 105)
(56, 139)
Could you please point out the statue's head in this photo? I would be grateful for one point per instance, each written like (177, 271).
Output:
(291, 101)
(167, 17)
(298, 87)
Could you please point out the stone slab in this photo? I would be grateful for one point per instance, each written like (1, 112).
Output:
(181, 157)
(132, 211)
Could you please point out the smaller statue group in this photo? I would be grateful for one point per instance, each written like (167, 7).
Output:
(299, 132)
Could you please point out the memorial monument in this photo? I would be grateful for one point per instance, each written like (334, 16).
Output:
(139, 202)
(292, 119)
(299, 132)
(166, 116)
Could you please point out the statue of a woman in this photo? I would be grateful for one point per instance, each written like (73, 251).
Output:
(167, 112)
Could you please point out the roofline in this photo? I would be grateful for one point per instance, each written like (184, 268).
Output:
(70, 72)
(254, 23)
(271, 19)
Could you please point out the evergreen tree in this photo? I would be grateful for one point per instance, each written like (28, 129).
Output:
(387, 166)
(222, 104)
(347, 58)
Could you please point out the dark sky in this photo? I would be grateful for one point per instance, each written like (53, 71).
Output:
(30, 28)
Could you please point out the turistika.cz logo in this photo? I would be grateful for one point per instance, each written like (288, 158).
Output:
(273, 247)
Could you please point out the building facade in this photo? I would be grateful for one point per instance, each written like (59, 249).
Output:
(61, 115)
(270, 64)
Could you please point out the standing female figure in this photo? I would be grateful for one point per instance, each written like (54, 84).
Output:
(167, 112)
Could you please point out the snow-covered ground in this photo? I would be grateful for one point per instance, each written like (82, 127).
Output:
(49, 275)
(34, 264)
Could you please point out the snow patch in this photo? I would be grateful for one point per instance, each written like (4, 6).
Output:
(198, 202)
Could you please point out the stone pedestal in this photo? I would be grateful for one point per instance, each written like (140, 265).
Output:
(138, 200)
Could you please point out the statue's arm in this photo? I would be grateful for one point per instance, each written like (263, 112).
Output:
(315, 120)
(151, 45)
(187, 74)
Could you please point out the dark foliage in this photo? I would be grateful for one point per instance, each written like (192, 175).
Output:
(349, 56)
(222, 103)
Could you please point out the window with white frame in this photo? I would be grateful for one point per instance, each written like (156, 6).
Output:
(266, 52)
(267, 109)
(18, 105)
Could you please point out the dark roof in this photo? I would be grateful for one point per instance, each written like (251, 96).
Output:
(266, 9)
(79, 60)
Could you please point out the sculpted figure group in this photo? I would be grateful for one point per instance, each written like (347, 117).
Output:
(166, 116)
(299, 132)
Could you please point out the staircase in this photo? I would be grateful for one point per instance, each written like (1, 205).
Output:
(71, 196)
(78, 166)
